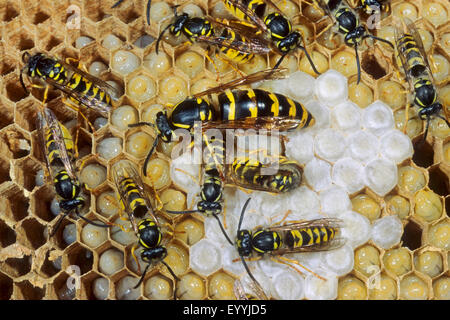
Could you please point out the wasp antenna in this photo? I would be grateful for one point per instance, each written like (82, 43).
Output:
(142, 277)
(182, 212)
(149, 3)
(101, 225)
(250, 274)
(358, 65)
(279, 62)
(311, 62)
(147, 159)
(21, 80)
(446, 121)
(242, 214)
(222, 228)
(160, 36)
(117, 4)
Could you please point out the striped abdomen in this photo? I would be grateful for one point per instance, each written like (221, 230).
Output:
(234, 40)
(309, 236)
(253, 103)
(54, 156)
(86, 88)
(135, 201)
(257, 6)
(407, 47)
(214, 156)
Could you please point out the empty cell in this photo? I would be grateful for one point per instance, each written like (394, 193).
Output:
(378, 118)
(6, 286)
(318, 174)
(50, 268)
(26, 172)
(334, 201)
(14, 90)
(17, 267)
(381, 176)
(363, 146)
(346, 116)
(17, 143)
(8, 235)
(387, 231)
(205, 257)
(423, 154)
(396, 146)
(27, 291)
(331, 88)
(34, 233)
(370, 63)
(81, 257)
(438, 182)
(330, 145)
(13, 204)
(349, 174)
(143, 41)
(4, 171)
(9, 11)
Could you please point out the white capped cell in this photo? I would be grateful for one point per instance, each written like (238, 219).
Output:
(269, 267)
(304, 201)
(331, 88)
(330, 145)
(381, 176)
(321, 115)
(317, 289)
(272, 205)
(310, 260)
(349, 174)
(301, 85)
(281, 86)
(356, 228)
(334, 200)
(318, 174)
(363, 146)
(378, 118)
(300, 146)
(215, 234)
(340, 261)
(396, 146)
(289, 285)
(261, 277)
(184, 172)
(346, 116)
(229, 254)
(205, 257)
(387, 231)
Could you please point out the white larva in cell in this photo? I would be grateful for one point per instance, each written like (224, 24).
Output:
(39, 179)
(141, 88)
(101, 288)
(111, 42)
(125, 288)
(110, 261)
(387, 231)
(82, 41)
(54, 207)
(109, 148)
(100, 122)
(93, 175)
(93, 236)
(124, 62)
(97, 68)
(122, 237)
(123, 116)
(205, 257)
(158, 288)
(193, 10)
(70, 233)
(159, 11)
(334, 201)
(331, 88)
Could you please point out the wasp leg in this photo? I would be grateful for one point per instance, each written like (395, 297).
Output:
(286, 261)
(249, 259)
(406, 118)
(80, 65)
(58, 223)
(231, 65)
(135, 246)
(77, 109)
(117, 4)
(214, 65)
(288, 212)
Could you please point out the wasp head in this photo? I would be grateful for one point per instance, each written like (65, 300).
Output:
(244, 243)
(178, 24)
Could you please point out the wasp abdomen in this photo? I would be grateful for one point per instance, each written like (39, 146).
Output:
(309, 236)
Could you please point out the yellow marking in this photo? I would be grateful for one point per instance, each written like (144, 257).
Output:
(275, 108)
(232, 111)
(324, 231)
(309, 232)
(317, 232)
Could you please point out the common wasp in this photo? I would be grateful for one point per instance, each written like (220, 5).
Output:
(238, 109)
(58, 150)
(349, 25)
(280, 239)
(412, 57)
(135, 201)
(80, 87)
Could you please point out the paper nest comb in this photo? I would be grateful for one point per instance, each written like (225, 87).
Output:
(357, 163)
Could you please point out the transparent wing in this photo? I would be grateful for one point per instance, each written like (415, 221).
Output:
(253, 17)
(41, 128)
(268, 123)
(251, 45)
(325, 222)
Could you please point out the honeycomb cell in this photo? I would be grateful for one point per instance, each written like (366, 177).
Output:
(149, 113)
(191, 287)
(221, 286)
(93, 175)
(109, 148)
(439, 128)
(93, 236)
(439, 235)
(386, 290)
(26, 291)
(158, 287)
(258, 63)
(8, 235)
(83, 41)
(9, 11)
(124, 62)
(70, 234)
(398, 205)
(410, 179)
(4, 171)
(413, 288)
(360, 94)
(124, 238)
(220, 66)
(351, 288)
(124, 115)
(320, 61)
(345, 63)
(158, 173)
(428, 205)
(177, 258)
(172, 89)
(373, 65)
(190, 62)
(111, 42)
(80, 257)
(15, 143)
(429, 262)
(141, 88)
(110, 261)
(159, 11)
(173, 200)
(125, 288)
(100, 288)
(138, 144)
(366, 206)
(397, 261)
(190, 231)
(414, 126)
(128, 15)
(392, 93)
(405, 10)
(367, 260)
(107, 204)
(22, 40)
(423, 154)
(25, 172)
(17, 267)
(435, 13)
(6, 287)
(441, 288)
(412, 235)
(62, 289)
(49, 268)
(14, 204)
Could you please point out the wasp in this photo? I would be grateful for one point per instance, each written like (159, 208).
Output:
(413, 59)
(348, 24)
(243, 109)
(136, 203)
(277, 240)
(81, 88)
(274, 26)
(58, 150)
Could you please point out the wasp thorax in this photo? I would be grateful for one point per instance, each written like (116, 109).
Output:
(278, 25)
(291, 42)
(149, 233)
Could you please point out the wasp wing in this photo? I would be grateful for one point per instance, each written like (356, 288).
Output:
(324, 222)
(255, 287)
(268, 123)
(252, 16)
(250, 45)
(315, 247)
(41, 128)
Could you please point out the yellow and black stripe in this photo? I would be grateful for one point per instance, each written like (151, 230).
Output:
(257, 6)
(149, 233)
(54, 156)
(235, 40)
(136, 203)
(408, 47)
(253, 103)
(85, 87)
(265, 241)
(309, 236)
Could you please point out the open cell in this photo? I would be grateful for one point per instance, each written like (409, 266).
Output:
(26, 113)
(81, 257)
(48, 268)
(25, 173)
(438, 182)
(17, 143)
(4, 171)
(6, 113)
(34, 233)
(41, 202)
(14, 204)
(27, 291)
(412, 235)
(9, 11)
(14, 90)
(8, 235)
(6, 287)
(62, 291)
(16, 267)
(423, 154)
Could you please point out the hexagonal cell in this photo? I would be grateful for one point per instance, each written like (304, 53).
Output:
(99, 288)
(84, 143)
(387, 289)
(8, 65)
(49, 268)
(81, 257)
(109, 146)
(351, 288)
(41, 202)
(39, 14)
(373, 64)
(191, 287)
(413, 287)
(9, 11)
(412, 235)
(59, 237)
(95, 10)
(13, 89)
(423, 153)
(25, 173)
(367, 260)
(22, 40)
(441, 288)
(34, 233)
(125, 288)
(111, 260)
(93, 173)
(61, 288)
(221, 286)
(15, 143)
(13, 203)
(397, 261)
(6, 287)
(16, 267)
(8, 235)
(26, 291)
(128, 14)
(429, 262)
(438, 234)
(177, 257)
(205, 257)
(438, 181)
(6, 113)
(107, 202)
(158, 287)
(189, 230)
(4, 171)
(26, 113)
